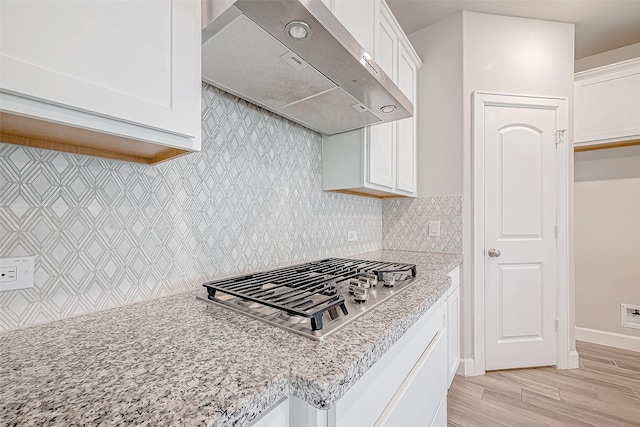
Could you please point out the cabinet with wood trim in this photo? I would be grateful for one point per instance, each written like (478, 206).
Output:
(380, 160)
(607, 106)
(112, 79)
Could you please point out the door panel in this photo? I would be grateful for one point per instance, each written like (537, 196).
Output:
(520, 217)
(520, 182)
(520, 290)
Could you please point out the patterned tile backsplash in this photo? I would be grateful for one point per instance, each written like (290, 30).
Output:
(107, 233)
(405, 224)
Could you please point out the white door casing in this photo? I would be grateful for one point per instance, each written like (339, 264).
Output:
(520, 179)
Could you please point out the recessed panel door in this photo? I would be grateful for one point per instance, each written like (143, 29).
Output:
(520, 242)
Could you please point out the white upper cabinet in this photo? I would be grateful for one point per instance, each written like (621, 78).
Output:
(357, 17)
(112, 76)
(607, 104)
(378, 161)
(406, 149)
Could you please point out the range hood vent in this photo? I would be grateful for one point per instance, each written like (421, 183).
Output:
(324, 81)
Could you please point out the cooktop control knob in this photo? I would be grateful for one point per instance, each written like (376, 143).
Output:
(360, 295)
(372, 278)
(390, 281)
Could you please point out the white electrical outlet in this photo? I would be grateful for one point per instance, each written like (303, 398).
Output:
(630, 316)
(434, 228)
(352, 236)
(16, 273)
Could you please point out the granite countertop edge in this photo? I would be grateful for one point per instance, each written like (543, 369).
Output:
(325, 396)
(234, 393)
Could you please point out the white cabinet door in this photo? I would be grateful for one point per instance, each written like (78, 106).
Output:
(406, 144)
(453, 331)
(365, 402)
(277, 416)
(359, 18)
(418, 399)
(607, 105)
(388, 150)
(134, 61)
(329, 4)
(440, 419)
(382, 141)
(386, 51)
(381, 160)
(453, 323)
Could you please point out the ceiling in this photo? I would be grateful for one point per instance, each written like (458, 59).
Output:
(600, 25)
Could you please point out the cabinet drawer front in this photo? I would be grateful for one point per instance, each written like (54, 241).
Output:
(418, 398)
(363, 404)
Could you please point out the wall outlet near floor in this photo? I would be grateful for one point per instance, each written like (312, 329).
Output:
(630, 316)
(352, 236)
(16, 273)
(434, 228)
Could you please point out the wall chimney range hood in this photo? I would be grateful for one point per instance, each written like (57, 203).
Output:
(293, 57)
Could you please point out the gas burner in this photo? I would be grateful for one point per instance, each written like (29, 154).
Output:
(313, 299)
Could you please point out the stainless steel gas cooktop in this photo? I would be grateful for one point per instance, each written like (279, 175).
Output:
(314, 299)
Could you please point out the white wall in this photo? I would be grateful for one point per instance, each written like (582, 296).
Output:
(440, 107)
(607, 221)
(499, 54)
(516, 56)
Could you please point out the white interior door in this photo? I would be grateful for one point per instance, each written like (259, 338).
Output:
(519, 236)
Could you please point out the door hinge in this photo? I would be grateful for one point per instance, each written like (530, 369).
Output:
(556, 326)
(560, 136)
(555, 231)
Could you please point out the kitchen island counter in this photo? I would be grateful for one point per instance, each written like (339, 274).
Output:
(180, 361)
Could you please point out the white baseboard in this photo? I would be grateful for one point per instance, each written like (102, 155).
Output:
(611, 339)
(466, 368)
(574, 360)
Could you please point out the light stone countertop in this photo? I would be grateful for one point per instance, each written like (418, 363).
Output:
(180, 361)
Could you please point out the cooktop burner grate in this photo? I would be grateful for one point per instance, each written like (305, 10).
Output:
(307, 290)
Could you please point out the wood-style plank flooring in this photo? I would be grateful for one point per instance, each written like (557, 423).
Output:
(604, 391)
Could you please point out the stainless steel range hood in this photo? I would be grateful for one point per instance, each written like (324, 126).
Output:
(326, 81)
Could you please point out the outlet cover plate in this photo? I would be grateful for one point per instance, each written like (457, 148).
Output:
(434, 228)
(24, 273)
(352, 236)
(628, 316)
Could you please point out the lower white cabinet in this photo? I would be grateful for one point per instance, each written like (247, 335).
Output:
(453, 325)
(417, 400)
(413, 369)
(441, 416)
(406, 387)
(277, 416)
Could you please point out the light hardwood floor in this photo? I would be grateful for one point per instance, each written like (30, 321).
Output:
(604, 391)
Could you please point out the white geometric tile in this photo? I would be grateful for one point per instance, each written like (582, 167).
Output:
(107, 233)
(405, 224)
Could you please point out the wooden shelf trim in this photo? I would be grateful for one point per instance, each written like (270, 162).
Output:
(592, 147)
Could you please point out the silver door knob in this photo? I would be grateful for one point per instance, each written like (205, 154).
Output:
(493, 253)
